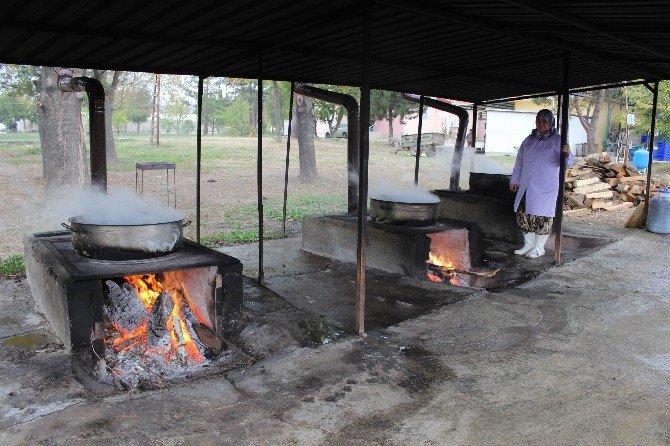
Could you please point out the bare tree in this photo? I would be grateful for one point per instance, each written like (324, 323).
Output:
(61, 134)
(589, 118)
(305, 123)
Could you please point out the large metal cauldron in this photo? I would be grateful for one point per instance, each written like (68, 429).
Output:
(125, 242)
(491, 184)
(396, 212)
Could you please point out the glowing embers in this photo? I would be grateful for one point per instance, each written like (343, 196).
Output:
(154, 330)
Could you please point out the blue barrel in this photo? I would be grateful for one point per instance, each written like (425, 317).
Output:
(658, 220)
(641, 158)
(660, 152)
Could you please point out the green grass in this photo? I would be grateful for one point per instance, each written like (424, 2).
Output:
(241, 221)
(12, 266)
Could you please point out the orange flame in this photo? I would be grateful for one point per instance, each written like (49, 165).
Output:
(444, 264)
(148, 288)
(440, 261)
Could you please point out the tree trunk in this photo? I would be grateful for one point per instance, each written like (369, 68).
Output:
(61, 135)
(588, 120)
(279, 123)
(304, 116)
(205, 108)
(390, 120)
(153, 113)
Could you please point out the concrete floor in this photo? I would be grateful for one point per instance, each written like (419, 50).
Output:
(578, 355)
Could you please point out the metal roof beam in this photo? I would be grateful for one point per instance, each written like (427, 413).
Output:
(588, 26)
(503, 29)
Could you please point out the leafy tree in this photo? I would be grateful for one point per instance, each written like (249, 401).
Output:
(641, 101)
(138, 105)
(331, 113)
(15, 108)
(236, 116)
(389, 105)
(19, 86)
(188, 126)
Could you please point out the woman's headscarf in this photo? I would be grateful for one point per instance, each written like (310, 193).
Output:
(546, 115)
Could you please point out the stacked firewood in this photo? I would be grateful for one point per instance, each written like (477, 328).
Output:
(595, 183)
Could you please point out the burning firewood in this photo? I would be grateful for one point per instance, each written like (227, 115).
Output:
(125, 310)
(158, 334)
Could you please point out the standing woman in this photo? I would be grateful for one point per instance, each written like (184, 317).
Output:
(535, 181)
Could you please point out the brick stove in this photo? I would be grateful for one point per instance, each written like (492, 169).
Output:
(74, 291)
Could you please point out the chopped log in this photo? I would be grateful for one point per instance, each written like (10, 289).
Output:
(213, 344)
(591, 188)
(631, 170)
(601, 204)
(636, 189)
(586, 181)
(613, 181)
(619, 169)
(601, 194)
(633, 179)
(125, 309)
(575, 200)
(617, 207)
(577, 212)
(158, 335)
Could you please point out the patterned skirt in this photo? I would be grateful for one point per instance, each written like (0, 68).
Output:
(532, 223)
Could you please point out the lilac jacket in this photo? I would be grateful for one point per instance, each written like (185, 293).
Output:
(536, 172)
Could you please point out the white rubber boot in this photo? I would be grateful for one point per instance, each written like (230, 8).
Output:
(528, 244)
(538, 250)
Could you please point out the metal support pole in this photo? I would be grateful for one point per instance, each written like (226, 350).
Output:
(474, 127)
(651, 150)
(418, 142)
(363, 168)
(565, 119)
(288, 152)
(259, 172)
(198, 157)
(558, 111)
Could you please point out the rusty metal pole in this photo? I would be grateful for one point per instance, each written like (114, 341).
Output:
(565, 118)
(418, 142)
(198, 156)
(654, 90)
(288, 152)
(259, 172)
(363, 168)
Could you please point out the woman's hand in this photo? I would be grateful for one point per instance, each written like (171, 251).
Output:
(513, 187)
(566, 149)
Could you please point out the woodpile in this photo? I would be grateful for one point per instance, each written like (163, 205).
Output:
(596, 183)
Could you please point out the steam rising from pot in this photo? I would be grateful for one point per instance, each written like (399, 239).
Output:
(403, 194)
(119, 207)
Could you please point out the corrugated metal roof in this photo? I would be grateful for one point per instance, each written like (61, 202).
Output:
(469, 50)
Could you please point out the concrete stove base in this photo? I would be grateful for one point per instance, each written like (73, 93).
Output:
(395, 249)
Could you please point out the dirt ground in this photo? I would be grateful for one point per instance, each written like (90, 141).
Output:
(228, 181)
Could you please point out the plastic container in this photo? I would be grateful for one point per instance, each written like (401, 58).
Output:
(659, 153)
(658, 220)
(641, 159)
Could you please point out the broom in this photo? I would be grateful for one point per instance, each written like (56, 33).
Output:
(638, 218)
